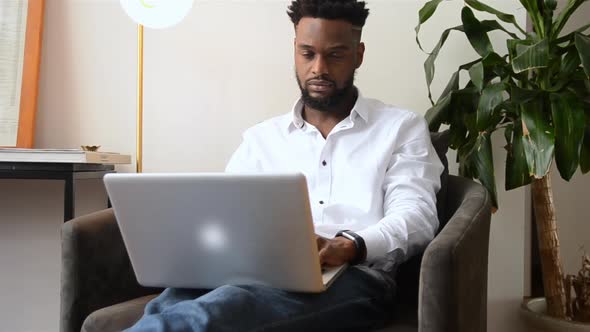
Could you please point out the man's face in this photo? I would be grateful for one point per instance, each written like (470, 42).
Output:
(327, 53)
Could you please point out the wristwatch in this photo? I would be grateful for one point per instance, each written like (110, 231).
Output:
(359, 243)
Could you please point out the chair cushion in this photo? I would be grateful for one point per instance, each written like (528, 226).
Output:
(116, 317)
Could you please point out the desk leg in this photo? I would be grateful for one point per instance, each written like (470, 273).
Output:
(69, 198)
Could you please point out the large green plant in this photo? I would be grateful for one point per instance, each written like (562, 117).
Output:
(538, 94)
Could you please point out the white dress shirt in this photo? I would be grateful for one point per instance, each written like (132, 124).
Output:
(376, 173)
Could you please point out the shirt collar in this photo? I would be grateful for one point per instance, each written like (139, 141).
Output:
(296, 121)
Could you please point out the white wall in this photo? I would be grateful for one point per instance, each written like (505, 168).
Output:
(573, 216)
(226, 67)
(233, 72)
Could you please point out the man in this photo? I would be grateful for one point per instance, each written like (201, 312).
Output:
(371, 170)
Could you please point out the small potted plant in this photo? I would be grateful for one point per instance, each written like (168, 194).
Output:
(539, 96)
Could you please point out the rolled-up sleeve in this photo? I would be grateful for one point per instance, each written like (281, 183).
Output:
(410, 185)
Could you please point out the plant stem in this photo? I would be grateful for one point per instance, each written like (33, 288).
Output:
(553, 282)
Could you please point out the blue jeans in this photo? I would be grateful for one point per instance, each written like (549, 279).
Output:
(361, 299)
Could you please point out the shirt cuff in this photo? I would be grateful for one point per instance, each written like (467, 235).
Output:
(377, 245)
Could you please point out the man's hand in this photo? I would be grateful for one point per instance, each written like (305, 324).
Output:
(336, 251)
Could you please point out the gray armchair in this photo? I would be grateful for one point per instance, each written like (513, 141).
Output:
(445, 289)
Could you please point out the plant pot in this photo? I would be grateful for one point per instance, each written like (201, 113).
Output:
(533, 312)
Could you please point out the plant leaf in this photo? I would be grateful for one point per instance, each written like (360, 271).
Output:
(521, 96)
(513, 43)
(452, 85)
(475, 4)
(494, 59)
(534, 56)
(457, 125)
(585, 152)
(551, 4)
(517, 171)
(424, 14)
(482, 159)
(508, 110)
(579, 84)
(496, 64)
(466, 101)
(538, 139)
(569, 66)
(462, 114)
(438, 113)
(547, 8)
(564, 16)
(429, 67)
(476, 75)
(491, 25)
(476, 33)
(491, 97)
(464, 157)
(570, 62)
(569, 123)
(508, 133)
(532, 9)
(583, 47)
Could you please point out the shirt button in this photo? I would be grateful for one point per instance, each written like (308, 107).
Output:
(324, 163)
(321, 202)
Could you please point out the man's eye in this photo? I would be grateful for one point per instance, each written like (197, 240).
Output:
(336, 55)
(307, 55)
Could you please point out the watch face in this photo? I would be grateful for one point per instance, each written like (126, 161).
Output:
(157, 14)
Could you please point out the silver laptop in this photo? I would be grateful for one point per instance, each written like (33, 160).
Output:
(199, 230)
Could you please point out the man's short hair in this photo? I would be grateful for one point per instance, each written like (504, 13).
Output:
(352, 11)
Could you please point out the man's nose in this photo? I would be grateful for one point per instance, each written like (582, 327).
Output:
(320, 67)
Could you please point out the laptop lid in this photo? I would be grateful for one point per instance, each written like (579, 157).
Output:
(197, 230)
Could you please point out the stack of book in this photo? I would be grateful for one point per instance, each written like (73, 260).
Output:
(62, 156)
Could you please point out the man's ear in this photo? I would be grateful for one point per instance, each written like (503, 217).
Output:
(360, 50)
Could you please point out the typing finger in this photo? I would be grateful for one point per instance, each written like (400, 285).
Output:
(323, 256)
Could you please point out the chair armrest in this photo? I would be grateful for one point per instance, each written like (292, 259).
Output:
(96, 271)
(454, 270)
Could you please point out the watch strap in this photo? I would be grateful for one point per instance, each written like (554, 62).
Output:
(359, 243)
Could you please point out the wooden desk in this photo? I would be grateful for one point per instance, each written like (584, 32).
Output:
(68, 172)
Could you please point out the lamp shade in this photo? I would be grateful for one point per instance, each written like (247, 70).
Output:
(157, 14)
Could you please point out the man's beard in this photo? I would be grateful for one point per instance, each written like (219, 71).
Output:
(326, 103)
